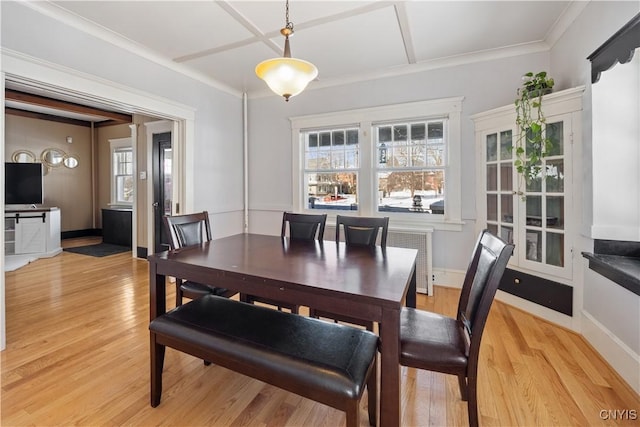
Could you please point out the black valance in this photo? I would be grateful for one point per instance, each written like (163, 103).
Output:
(619, 48)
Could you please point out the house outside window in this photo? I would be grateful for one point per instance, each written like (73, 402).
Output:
(122, 182)
(410, 166)
(401, 161)
(331, 168)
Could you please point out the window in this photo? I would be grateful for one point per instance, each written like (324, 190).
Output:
(122, 181)
(411, 166)
(331, 168)
(382, 161)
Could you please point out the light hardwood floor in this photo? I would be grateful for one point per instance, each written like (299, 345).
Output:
(78, 354)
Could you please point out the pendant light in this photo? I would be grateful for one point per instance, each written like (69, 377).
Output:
(286, 76)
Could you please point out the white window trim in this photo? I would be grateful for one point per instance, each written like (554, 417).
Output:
(449, 108)
(115, 144)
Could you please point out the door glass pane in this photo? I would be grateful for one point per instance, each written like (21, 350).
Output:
(492, 177)
(506, 176)
(534, 245)
(554, 135)
(534, 185)
(555, 249)
(492, 147)
(167, 181)
(555, 212)
(534, 211)
(506, 233)
(505, 145)
(506, 202)
(555, 176)
(492, 207)
(493, 228)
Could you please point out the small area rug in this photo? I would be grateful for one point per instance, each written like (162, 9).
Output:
(99, 250)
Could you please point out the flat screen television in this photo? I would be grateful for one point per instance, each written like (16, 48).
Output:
(23, 184)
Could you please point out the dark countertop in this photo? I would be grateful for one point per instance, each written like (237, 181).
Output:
(623, 270)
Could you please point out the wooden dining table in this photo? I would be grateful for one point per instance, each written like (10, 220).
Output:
(366, 283)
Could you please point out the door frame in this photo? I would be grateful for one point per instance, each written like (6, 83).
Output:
(18, 67)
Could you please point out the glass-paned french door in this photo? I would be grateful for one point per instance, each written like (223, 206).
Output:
(530, 213)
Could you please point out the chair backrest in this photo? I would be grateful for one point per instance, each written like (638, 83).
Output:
(188, 230)
(362, 231)
(488, 263)
(303, 226)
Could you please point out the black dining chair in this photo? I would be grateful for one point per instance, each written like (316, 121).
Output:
(358, 231)
(300, 227)
(450, 345)
(189, 230)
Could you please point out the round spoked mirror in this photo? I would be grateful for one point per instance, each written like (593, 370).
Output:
(52, 157)
(70, 161)
(23, 156)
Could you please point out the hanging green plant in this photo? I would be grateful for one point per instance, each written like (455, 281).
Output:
(531, 145)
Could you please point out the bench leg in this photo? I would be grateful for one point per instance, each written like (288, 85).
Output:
(157, 363)
(372, 392)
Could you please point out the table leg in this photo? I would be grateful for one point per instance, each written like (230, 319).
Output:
(157, 292)
(411, 292)
(390, 368)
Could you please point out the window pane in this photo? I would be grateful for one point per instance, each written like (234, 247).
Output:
(337, 160)
(555, 249)
(505, 145)
(506, 233)
(411, 191)
(555, 176)
(534, 245)
(351, 159)
(338, 137)
(534, 211)
(418, 132)
(435, 155)
(492, 147)
(554, 134)
(325, 139)
(436, 130)
(419, 155)
(492, 207)
(400, 133)
(555, 212)
(384, 134)
(332, 190)
(506, 206)
(492, 177)
(352, 137)
(124, 189)
(313, 140)
(506, 176)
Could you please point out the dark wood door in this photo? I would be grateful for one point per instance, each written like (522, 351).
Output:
(162, 187)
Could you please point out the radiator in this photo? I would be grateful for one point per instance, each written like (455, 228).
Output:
(410, 240)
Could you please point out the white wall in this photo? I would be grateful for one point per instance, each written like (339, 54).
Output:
(609, 314)
(484, 85)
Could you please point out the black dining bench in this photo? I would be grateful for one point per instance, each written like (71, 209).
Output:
(322, 361)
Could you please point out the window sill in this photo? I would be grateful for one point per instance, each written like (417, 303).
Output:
(399, 222)
(623, 270)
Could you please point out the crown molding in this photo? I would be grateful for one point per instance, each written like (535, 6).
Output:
(75, 21)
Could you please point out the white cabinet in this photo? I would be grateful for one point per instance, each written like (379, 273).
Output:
(540, 216)
(33, 231)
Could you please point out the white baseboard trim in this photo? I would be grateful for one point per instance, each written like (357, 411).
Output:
(621, 358)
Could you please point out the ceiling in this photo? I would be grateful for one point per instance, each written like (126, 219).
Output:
(221, 42)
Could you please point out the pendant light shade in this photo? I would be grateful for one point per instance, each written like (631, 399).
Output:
(286, 76)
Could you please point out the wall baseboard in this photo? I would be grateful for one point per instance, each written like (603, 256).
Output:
(89, 232)
(621, 358)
